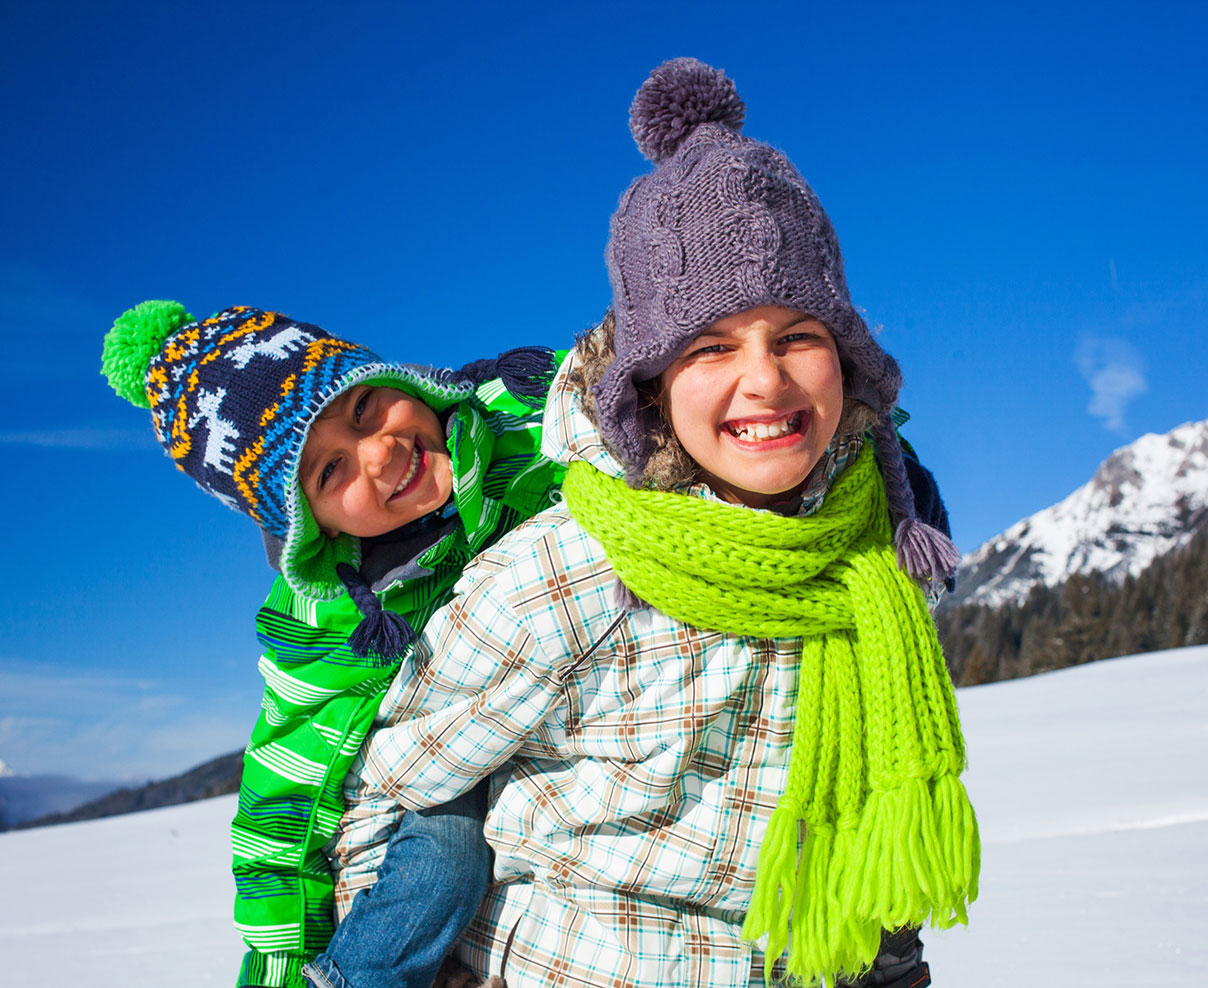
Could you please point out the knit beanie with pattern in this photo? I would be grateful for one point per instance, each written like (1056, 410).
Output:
(233, 397)
(724, 224)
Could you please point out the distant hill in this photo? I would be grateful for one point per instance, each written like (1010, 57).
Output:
(1087, 617)
(1117, 568)
(27, 797)
(213, 778)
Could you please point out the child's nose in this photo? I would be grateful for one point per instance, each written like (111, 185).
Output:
(376, 452)
(762, 373)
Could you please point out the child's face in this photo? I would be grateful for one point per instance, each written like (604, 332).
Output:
(375, 460)
(755, 399)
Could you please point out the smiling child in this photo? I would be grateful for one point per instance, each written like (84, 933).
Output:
(375, 460)
(756, 397)
(373, 484)
(731, 742)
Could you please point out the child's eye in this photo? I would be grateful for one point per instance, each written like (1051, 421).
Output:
(327, 472)
(805, 339)
(711, 348)
(359, 409)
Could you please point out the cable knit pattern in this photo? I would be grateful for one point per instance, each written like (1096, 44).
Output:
(890, 838)
(722, 225)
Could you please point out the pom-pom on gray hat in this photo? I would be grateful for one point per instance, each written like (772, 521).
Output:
(724, 224)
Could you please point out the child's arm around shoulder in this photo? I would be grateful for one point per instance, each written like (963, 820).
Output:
(486, 676)
(490, 670)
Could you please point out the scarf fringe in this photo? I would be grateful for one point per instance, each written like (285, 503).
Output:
(912, 857)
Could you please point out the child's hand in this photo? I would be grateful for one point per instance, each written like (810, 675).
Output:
(453, 974)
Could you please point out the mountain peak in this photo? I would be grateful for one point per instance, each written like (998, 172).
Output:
(1144, 500)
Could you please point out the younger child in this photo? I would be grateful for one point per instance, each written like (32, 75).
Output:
(373, 484)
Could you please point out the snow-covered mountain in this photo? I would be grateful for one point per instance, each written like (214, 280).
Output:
(1144, 500)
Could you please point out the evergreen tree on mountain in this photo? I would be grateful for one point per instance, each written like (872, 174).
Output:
(1087, 617)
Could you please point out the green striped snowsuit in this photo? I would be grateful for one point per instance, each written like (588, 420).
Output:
(320, 699)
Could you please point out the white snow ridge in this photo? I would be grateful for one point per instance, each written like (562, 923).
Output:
(1145, 500)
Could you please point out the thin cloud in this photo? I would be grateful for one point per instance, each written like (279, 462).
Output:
(1115, 371)
(111, 726)
(139, 440)
(31, 297)
(60, 329)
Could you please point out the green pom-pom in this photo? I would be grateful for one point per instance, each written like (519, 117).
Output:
(138, 334)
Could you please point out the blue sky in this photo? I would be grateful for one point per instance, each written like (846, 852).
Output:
(1018, 189)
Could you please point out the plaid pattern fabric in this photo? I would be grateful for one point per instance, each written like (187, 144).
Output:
(640, 758)
(635, 760)
(320, 699)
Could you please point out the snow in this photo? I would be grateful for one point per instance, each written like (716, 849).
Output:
(1091, 786)
(1138, 506)
(143, 899)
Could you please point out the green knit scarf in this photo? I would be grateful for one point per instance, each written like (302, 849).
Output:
(874, 829)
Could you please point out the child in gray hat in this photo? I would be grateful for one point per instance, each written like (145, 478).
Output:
(730, 745)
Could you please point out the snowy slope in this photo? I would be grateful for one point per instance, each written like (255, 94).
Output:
(1091, 785)
(1144, 500)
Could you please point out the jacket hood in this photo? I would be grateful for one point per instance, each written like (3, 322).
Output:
(568, 435)
(305, 556)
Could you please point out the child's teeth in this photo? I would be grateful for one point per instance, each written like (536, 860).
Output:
(410, 471)
(755, 431)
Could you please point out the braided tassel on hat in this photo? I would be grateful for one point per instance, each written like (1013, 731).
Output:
(526, 372)
(925, 553)
(381, 634)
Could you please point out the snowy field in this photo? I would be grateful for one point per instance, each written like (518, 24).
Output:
(1091, 786)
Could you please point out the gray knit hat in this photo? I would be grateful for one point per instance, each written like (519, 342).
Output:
(722, 225)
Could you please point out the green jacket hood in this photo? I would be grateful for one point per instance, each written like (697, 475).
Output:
(493, 441)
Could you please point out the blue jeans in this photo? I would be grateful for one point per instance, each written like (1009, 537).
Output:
(429, 886)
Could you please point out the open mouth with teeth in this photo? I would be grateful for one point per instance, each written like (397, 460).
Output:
(408, 479)
(787, 428)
